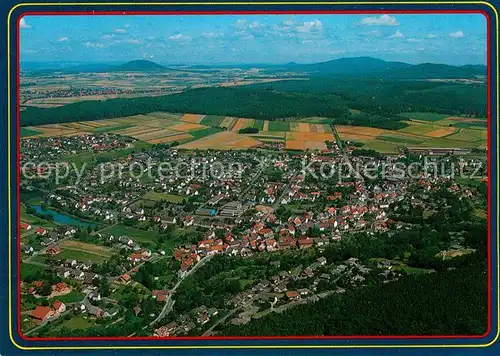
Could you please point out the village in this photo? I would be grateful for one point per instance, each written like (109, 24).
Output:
(115, 256)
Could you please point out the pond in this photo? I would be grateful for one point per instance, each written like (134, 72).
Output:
(61, 218)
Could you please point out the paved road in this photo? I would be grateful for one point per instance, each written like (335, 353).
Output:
(344, 154)
(169, 302)
(221, 320)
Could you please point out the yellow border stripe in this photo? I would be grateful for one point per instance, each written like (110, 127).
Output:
(230, 346)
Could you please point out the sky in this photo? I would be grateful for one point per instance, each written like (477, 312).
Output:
(456, 39)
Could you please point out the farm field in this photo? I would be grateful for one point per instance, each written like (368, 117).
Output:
(418, 133)
(226, 140)
(155, 196)
(192, 118)
(212, 120)
(87, 247)
(196, 131)
(27, 132)
(307, 141)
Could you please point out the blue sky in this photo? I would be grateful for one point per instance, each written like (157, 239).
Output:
(442, 38)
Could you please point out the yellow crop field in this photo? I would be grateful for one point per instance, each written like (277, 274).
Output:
(242, 123)
(310, 136)
(187, 127)
(266, 126)
(192, 118)
(225, 140)
(295, 145)
(358, 130)
(441, 132)
(171, 138)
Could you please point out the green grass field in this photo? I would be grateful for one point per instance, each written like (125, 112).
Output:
(424, 116)
(112, 128)
(71, 297)
(154, 196)
(259, 124)
(82, 256)
(469, 135)
(212, 120)
(405, 140)
(204, 132)
(86, 157)
(382, 146)
(279, 126)
(133, 233)
(29, 270)
(482, 124)
(316, 120)
(418, 129)
(29, 132)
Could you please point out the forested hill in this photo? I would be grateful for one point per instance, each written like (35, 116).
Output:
(414, 305)
(381, 101)
(139, 66)
(378, 68)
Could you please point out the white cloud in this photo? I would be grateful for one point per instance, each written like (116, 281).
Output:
(255, 25)
(23, 24)
(432, 35)
(382, 20)
(457, 34)
(107, 37)
(179, 38)
(212, 34)
(241, 24)
(120, 30)
(63, 39)
(374, 33)
(132, 41)
(397, 34)
(310, 26)
(93, 45)
(127, 25)
(414, 40)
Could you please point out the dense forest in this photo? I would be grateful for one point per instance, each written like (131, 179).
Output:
(447, 303)
(380, 100)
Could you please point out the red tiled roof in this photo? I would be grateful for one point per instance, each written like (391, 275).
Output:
(41, 312)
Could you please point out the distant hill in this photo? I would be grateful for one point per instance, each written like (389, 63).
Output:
(140, 65)
(377, 68)
(355, 65)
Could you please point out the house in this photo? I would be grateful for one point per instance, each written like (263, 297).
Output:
(123, 279)
(305, 243)
(59, 307)
(126, 240)
(42, 313)
(166, 330)
(28, 249)
(40, 231)
(70, 263)
(292, 295)
(321, 261)
(60, 288)
(25, 226)
(95, 296)
(53, 250)
(159, 295)
(188, 220)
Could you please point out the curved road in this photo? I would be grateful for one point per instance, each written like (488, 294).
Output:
(169, 302)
